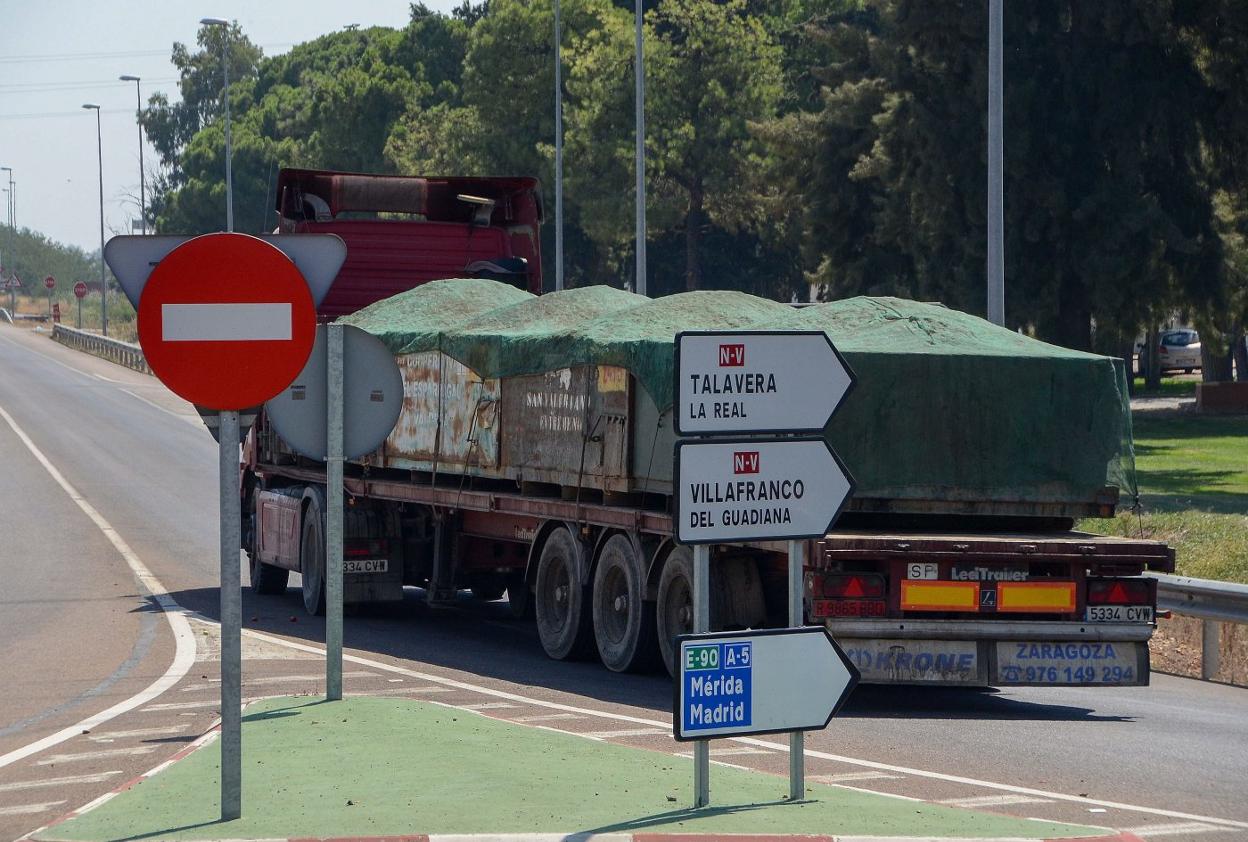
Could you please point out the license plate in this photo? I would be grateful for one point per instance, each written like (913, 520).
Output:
(1119, 614)
(365, 565)
(1070, 662)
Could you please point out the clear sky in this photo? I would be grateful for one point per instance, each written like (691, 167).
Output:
(56, 55)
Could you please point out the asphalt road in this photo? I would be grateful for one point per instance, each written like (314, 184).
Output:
(1168, 761)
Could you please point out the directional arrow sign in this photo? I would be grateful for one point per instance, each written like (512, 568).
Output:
(757, 382)
(759, 682)
(318, 257)
(757, 489)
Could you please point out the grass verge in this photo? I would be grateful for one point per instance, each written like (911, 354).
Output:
(1193, 476)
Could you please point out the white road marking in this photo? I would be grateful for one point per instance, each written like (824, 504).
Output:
(51, 359)
(109, 736)
(723, 752)
(877, 792)
(210, 703)
(235, 322)
(184, 640)
(628, 732)
(993, 801)
(27, 809)
(852, 776)
(52, 760)
(548, 717)
(1178, 829)
(488, 706)
(105, 379)
(401, 691)
(68, 780)
(750, 741)
(190, 419)
(215, 683)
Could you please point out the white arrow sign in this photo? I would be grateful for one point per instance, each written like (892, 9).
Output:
(759, 682)
(318, 257)
(757, 490)
(757, 382)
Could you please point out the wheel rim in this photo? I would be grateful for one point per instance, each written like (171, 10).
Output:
(677, 609)
(557, 592)
(614, 605)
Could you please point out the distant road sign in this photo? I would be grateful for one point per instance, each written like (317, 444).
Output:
(226, 321)
(80, 290)
(49, 282)
(372, 397)
(757, 489)
(318, 257)
(759, 682)
(757, 382)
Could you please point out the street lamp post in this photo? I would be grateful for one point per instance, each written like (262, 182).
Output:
(640, 166)
(225, 66)
(8, 208)
(558, 153)
(99, 149)
(138, 97)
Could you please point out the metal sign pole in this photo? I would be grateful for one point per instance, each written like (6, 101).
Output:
(80, 314)
(231, 620)
(333, 515)
(701, 624)
(797, 760)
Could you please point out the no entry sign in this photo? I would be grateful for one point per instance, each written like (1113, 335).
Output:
(226, 321)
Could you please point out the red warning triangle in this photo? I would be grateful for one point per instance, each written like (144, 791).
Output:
(854, 587)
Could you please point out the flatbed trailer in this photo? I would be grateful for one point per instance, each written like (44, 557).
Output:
(548, 477)
(1054, 607)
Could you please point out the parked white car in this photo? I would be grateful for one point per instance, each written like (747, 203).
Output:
(1179, 349)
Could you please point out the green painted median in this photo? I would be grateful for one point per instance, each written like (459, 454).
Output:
(375, 767)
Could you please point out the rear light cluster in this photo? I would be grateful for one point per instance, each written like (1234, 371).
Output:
(850, 586)
(364, 548)
(1119, 592)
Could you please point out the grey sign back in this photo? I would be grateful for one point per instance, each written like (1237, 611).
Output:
(372, 392)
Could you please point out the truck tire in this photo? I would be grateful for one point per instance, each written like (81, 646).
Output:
(674, 607)
(312, 561)
(624, 626)
(564, 621)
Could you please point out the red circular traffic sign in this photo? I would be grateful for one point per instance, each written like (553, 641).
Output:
(80, 290)
(226, 321)
(49, 282)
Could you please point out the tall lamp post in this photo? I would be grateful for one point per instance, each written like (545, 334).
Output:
(138, 97)
(225, 66)
(99, 149)
(558, 153)
(8, 208)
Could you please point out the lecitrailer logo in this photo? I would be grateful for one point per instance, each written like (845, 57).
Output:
(731, 356)
(745, 462)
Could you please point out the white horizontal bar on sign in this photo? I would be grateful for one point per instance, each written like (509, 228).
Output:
(225, 322)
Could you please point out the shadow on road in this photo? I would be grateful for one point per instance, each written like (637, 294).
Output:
(482, 638)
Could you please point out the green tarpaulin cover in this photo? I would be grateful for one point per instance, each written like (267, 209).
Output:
(948, 407)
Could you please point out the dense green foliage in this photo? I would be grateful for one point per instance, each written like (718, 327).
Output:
(839, 143)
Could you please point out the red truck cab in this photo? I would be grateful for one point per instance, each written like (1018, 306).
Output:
(402, 231)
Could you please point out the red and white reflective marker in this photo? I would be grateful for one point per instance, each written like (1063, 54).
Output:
(226, 321)
(80, 290)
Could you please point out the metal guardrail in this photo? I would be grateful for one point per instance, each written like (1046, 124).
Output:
(1212, 602)
(122, 353)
